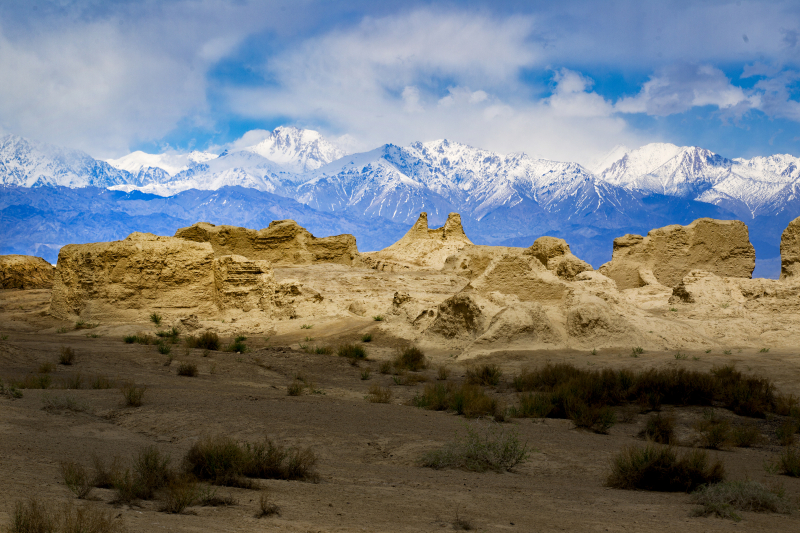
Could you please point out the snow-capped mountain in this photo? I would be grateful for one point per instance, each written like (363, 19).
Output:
(170, 163)
(27, 163)
(747, 187)
(297, 150)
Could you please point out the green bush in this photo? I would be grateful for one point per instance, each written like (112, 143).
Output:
(129, 339)
(465, 399)
(662, 468)
(163, 348)
(410, 358)
(367, 337)
(351, 351)
(491, 449)
(155, 318)
(208, 340)
(76, 478)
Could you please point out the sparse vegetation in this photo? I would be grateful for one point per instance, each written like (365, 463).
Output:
(681, 356)
(745, 436)
(63, 403)
(442, 373)
(319, 350)
(299, 385)
(367, 337)
(76, 478)
(763, 350)
(10, 391)
(636, 351)
(164, 348)
(493, 448)
(265, 506)
(378, 318)
(208, 340)
(659, 428)
(662, 468)
(725, 498)
(46, 367)
(33, 516)
(714, 431)
(187, 369)
(365, 374)
(129, 339)
(155, 318)
(307, 326)
(378, 394)
(786, 432)
(237, 346)
(66, 356)
(179, 494)
(465, 399)
(3, 337)
(223, 461)
(410, 358)
(82, 324)
(566, 384)
(133, 394)
(789, 462)
(106, 474)
(385, 367)
(487, 375)
(352, 351)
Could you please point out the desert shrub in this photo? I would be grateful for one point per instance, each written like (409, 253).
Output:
(237, 346)
(10, 391)
(76, 478)
(187, 369)
(488, 375)
(46, 367)
(63, 403)
(101, 382)
(786, 431)
(319, 350)
(129, 339)
(164, 348)
(465, 399)
(74, 381)
(410, 358)
(133, 394)
(378, 394)
(106, 474)
(494, 448)
(789, 462)
(365, 374)
(299, 385)
(223, 461)
(725, 498)
(745, 436)
(208, 340)
(265, 506)
(33, 381)
(88, 519)
(532, 405)
(714, 432)
(352, 351)
(442, 373)
(207, 497)
(367, 337)
(67, 356)
(178, 495)
(155, 318)
(596, 418)
(378, 318)
(745, 395)
(385, 367)
(32, 516)
(659, 428)
(662, 468)
(151, 468)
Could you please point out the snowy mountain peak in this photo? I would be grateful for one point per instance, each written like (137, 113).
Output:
(298, 150)
(172, 164)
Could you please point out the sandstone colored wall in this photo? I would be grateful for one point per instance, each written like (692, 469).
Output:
(136, 276)
(555, 255)
(25, 272)
(283, 242)
(421, 247)
(790, 250)
(718, 246)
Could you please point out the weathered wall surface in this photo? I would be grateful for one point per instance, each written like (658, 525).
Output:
(283, 242)
(790, 250)
(25, 272)
(718, 246)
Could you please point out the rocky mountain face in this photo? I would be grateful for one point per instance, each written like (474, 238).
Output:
(503, 199)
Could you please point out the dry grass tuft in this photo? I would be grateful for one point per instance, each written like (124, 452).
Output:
(662, 468)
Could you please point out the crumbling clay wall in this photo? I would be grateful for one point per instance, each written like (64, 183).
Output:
(25, 272)
(421, 247)
(129, 279)
(718, 246)
(790, 250)
(283, 242)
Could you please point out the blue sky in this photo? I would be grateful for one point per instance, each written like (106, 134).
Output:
(561, 80)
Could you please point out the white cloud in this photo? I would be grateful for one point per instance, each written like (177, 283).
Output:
(678, 88)
(429, 75)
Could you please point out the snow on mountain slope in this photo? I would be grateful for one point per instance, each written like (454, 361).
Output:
(244, 169)
(170, 163)
(748, 187)
(297, 150)
(29, 163)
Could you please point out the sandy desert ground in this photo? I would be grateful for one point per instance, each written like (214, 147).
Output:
(368, 453)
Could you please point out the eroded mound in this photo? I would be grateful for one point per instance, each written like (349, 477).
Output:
(282, 242)
(25, 272)
(421, 247)
(669, 253)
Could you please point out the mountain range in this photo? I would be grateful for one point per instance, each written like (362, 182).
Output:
(503, 199)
